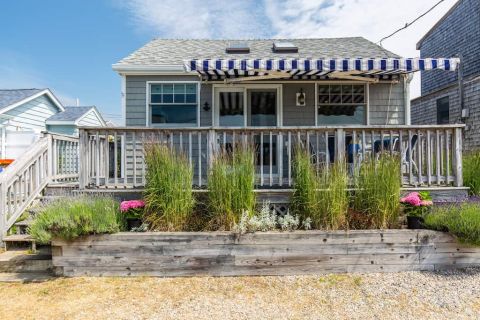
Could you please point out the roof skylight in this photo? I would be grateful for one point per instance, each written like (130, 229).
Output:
(238, 47)
(284, 46)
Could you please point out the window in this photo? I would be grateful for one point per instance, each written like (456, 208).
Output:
(341, 104)
(443, 110)
(286, 47)
(173, 103)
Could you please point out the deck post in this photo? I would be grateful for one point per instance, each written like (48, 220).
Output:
(340, 145)
(82, 165)
(51, 155)
(212, 146)
(458, 158)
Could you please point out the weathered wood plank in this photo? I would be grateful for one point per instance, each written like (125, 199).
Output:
(263, 253)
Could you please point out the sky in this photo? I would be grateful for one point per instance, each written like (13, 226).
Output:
(69, 46)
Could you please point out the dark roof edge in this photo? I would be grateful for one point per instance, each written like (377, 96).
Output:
(429, 32)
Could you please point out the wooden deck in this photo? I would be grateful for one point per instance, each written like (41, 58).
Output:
(430, 156)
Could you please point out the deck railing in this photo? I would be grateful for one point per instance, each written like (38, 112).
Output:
(429, 155)
(54, 158)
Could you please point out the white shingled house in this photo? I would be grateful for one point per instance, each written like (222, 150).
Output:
(26, 113)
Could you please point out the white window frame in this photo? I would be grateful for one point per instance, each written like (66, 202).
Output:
(217, 88)
(148, 120)
(366, 103)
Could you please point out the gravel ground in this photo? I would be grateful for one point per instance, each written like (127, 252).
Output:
(408, 295)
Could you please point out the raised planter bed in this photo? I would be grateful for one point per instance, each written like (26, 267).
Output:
(263, 253)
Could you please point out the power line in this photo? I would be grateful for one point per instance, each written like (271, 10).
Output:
(409, 24)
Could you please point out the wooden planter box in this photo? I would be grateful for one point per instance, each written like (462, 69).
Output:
(264, 253)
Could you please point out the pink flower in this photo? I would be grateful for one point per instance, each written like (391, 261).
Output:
(412, 199)
(131, 204)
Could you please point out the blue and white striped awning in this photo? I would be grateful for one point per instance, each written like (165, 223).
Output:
(366, 65)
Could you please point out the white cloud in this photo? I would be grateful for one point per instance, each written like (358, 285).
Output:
(372, 19)
(197, 19)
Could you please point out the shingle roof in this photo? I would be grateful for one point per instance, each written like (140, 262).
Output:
(11, 96)
(173, 52)
(70, 114)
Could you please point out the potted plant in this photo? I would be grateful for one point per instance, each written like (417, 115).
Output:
(133, 212)
(416, 205)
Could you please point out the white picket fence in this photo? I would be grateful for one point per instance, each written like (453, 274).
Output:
(54, 158)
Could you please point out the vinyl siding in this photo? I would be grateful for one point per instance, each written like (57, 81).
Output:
(31, 115)
(90, 120)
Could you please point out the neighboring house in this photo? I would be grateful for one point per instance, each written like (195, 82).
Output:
(68, 121)
(22, 118)
(457, 33)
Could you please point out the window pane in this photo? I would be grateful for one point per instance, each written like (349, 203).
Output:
(443, 110)
(191, 88)
(358, 89)
(179, 98)
(179, 88)
(358, 99)
(168, 98)
(347, 98)
(347, 89)
(323, 98)
(323, 89)
(156, 98)
(231, 109)
(156, 88)
(167, 88)
(191, 98)
(333, 115)
(263, 106)
(174, 114)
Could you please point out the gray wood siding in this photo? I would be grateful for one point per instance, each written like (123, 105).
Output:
(298, 116)
(387, 104)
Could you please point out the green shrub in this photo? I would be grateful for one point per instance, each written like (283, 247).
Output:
(333, 199)
(377, 191)
(471, 172)
(322, 198)
(168, 196)
(304, 202)
(231, 182)
(70, 218)
(463, 221)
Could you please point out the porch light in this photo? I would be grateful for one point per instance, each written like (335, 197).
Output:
(301, 98)
(206, 106)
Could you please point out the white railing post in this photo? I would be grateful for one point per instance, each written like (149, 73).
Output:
(340, 145)
(458, 157)
(212, 147)
(84, 156)
(3, 211)
(50, 156)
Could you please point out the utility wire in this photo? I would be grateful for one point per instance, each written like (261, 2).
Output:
(408, 24)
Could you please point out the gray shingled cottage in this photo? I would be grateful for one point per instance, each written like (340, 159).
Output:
(446, 97)
(342, 98)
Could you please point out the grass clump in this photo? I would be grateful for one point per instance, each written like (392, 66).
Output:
(70, 218)
(168, 196)
(377, 191)
(471, 172)
(321, 197)
(231, 182)
(463, 221)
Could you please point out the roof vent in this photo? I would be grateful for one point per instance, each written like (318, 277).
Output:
(282, 46)
(238, 47)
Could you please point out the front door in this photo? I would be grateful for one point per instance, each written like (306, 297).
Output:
(252, 107)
